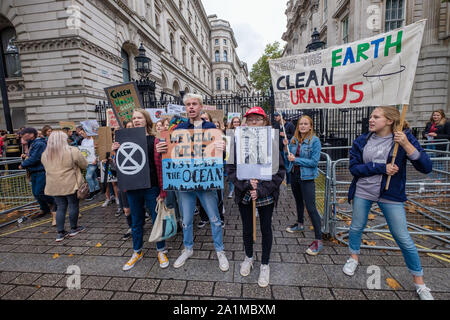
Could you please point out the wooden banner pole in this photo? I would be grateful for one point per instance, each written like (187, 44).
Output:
(394, 154)
(285, 136)
(254, 220)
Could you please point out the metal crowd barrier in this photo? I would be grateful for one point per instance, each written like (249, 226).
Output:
(16, 197)
(427, 208)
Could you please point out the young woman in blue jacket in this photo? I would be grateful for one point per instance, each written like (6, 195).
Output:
(370, 165)
(303, 164)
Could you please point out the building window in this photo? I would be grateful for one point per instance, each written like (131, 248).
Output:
(345, 30)
(395, 16)
(180, 4)
(224, 41)
(218, 83)
(192, 64)
(225, 56)
(226, 83)
(217, 42)
(325, 9)
(10, 59)
(172, 44)
(217, 56)
(183, 52)
(125, 66)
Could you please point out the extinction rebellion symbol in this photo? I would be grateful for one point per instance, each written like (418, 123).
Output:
(125, 161)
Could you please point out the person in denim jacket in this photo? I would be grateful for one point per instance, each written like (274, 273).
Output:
(304, 156)
(370, 165)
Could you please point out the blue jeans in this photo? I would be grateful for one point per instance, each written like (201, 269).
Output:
(37, 188)
(138, 201)
(286, 163)
(209, 201)
(396, 219)
(91, 178)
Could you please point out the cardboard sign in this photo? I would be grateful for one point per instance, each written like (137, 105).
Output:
(103, 142)
(124, 99)
(192, 161)
(376, 71)
(133, 171)
(111, 120)
(88, 153)
(67, 124)
(90, 127)
(156, 114)
(206, 107)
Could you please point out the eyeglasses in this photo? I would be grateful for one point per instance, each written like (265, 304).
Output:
(254, 120)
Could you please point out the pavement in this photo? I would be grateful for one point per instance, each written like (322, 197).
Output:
(35, 267)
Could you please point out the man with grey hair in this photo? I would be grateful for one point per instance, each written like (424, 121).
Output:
(208, 198)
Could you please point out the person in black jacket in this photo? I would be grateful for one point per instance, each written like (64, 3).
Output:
(34, 166)
(437, 128)
(266, 194)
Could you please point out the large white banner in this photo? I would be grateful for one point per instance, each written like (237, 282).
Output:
(376, 71)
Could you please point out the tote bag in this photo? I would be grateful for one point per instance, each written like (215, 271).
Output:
(165, 225)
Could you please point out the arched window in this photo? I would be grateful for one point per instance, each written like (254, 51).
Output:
(218, 83)
(217, 56)
(172, 44)
(125, 66)
(225, 56)
(226, 83)
(10, 59)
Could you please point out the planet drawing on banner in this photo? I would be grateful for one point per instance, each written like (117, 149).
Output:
(130, 158)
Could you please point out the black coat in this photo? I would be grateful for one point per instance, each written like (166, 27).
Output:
(443, 132)
(265, 188)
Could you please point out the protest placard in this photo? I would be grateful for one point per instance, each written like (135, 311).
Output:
(206, 107)
(175, 109)
(133, 171)
(192, 161)
(231, 115)
(156, 114)
(67, 124)
(90, 127)
(376, 71)
(124, 99)
(103, 142)
(254, 149)
(111, 120)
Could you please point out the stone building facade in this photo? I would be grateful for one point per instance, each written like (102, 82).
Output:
(60, 54)
(342, 21)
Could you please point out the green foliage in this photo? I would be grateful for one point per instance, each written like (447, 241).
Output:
(260, 73)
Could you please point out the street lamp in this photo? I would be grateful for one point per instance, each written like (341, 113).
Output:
(315, 43)
(143, 63)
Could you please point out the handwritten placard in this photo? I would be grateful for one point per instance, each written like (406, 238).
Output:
(124, 99)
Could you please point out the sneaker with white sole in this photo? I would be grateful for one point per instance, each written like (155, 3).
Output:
(117, 202)
(127, 235)
(223, 261)
(296, 227)
(246, 266)
(186, 254)
(134, 259)
(77, 230)
(424, 293)
(162, 258)
(202, 223)
(350, 267)
(106, 203)
(264, 275)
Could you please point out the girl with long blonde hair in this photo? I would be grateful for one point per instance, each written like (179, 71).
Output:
(63, 178)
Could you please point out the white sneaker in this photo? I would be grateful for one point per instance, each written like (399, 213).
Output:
(223, 261)
(424, 293)
(186, 254)
(350, 266)
(264, 276)
(246, 266)
(162, 258)
(134, 259)
(117, 202)
(106, 203)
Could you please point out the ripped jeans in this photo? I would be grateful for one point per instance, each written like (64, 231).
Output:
(209, 201)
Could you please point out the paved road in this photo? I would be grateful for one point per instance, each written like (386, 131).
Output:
(33, 266)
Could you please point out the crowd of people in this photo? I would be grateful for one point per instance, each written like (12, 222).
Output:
(55, 165)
